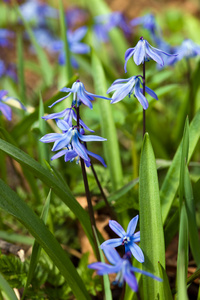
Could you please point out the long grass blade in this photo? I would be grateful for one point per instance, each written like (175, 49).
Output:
(12, 203)
(151, 229)
(111, 146)
(6, 289)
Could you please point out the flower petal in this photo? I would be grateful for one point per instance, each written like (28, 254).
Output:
(129, 277)
(59, 154)
(79, 148)
(112, 255)
(136, 237)
(50, 137)
(117, 228)
(137, 252)
(112, 243)
(6, 111)
(132, 226)
(141, 98)
(146, 273)
(129, 52)
(153, 54)
(139, 54)
(63, 141)
(151, 93)
(98, 157)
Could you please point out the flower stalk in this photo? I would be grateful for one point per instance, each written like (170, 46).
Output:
(144, 115)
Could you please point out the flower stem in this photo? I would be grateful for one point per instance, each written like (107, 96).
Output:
(144, 116)
(89, 201)
(111, 212)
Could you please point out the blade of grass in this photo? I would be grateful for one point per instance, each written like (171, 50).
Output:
(7, 291)
(47, 177)
(182, 259)
(43, 150)
(20, 64)
(151, 228)
(166, 286)
(36, 247)
(111, 146)
(190, 209)
(171, 182)
(13, 204)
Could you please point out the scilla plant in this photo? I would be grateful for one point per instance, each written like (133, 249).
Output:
(79, 200)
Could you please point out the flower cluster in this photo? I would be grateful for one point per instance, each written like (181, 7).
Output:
(122, 266)
(142, 52)
(71, 143)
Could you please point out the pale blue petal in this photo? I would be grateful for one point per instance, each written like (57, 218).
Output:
(81, 122)
(79, 148)
(151, 93)
(103, 268)
(78, 34)
(129, 277)
(141, 98)
(112, 243)
(98, 157)
(56, 115)
(137, 252)
(112, 255)
(63, 141)
(6, 111)
(154, 55)
(89, 138)
(80, 48)
(136, 237)
(83, 98)
(123, 91)
(59, 154)
(62, 124)
(70, 154)
(145, 273)
(59, 100)
(132, 226)
(139, 54)
(51, 137)
(130, 52)
(117, 228)
(114, 87)
(3, 93)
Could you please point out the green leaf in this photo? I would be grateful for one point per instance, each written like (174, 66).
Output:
(151, 229)
(111, 146)
(57, 186)
(190, 209)
(166, 287)
(182, 259)
(20, 63)
(13, 204)
(36, 247)
(6, 289)
(43, 150)
(184, 159)
(171, 182)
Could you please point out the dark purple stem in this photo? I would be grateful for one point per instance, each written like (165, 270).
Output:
(87, 192)
(144, 116)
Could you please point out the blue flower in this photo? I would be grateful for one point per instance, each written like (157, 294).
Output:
(112, 20)
(33, 10)
(186, 50)
(4, 108)
(143, 51)
(122, 266)
(67, 114)
(148, 21)
(80, 95)
(69, 142)
(124, 87)
(75, 46)
(5, 35)
(128, 239)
